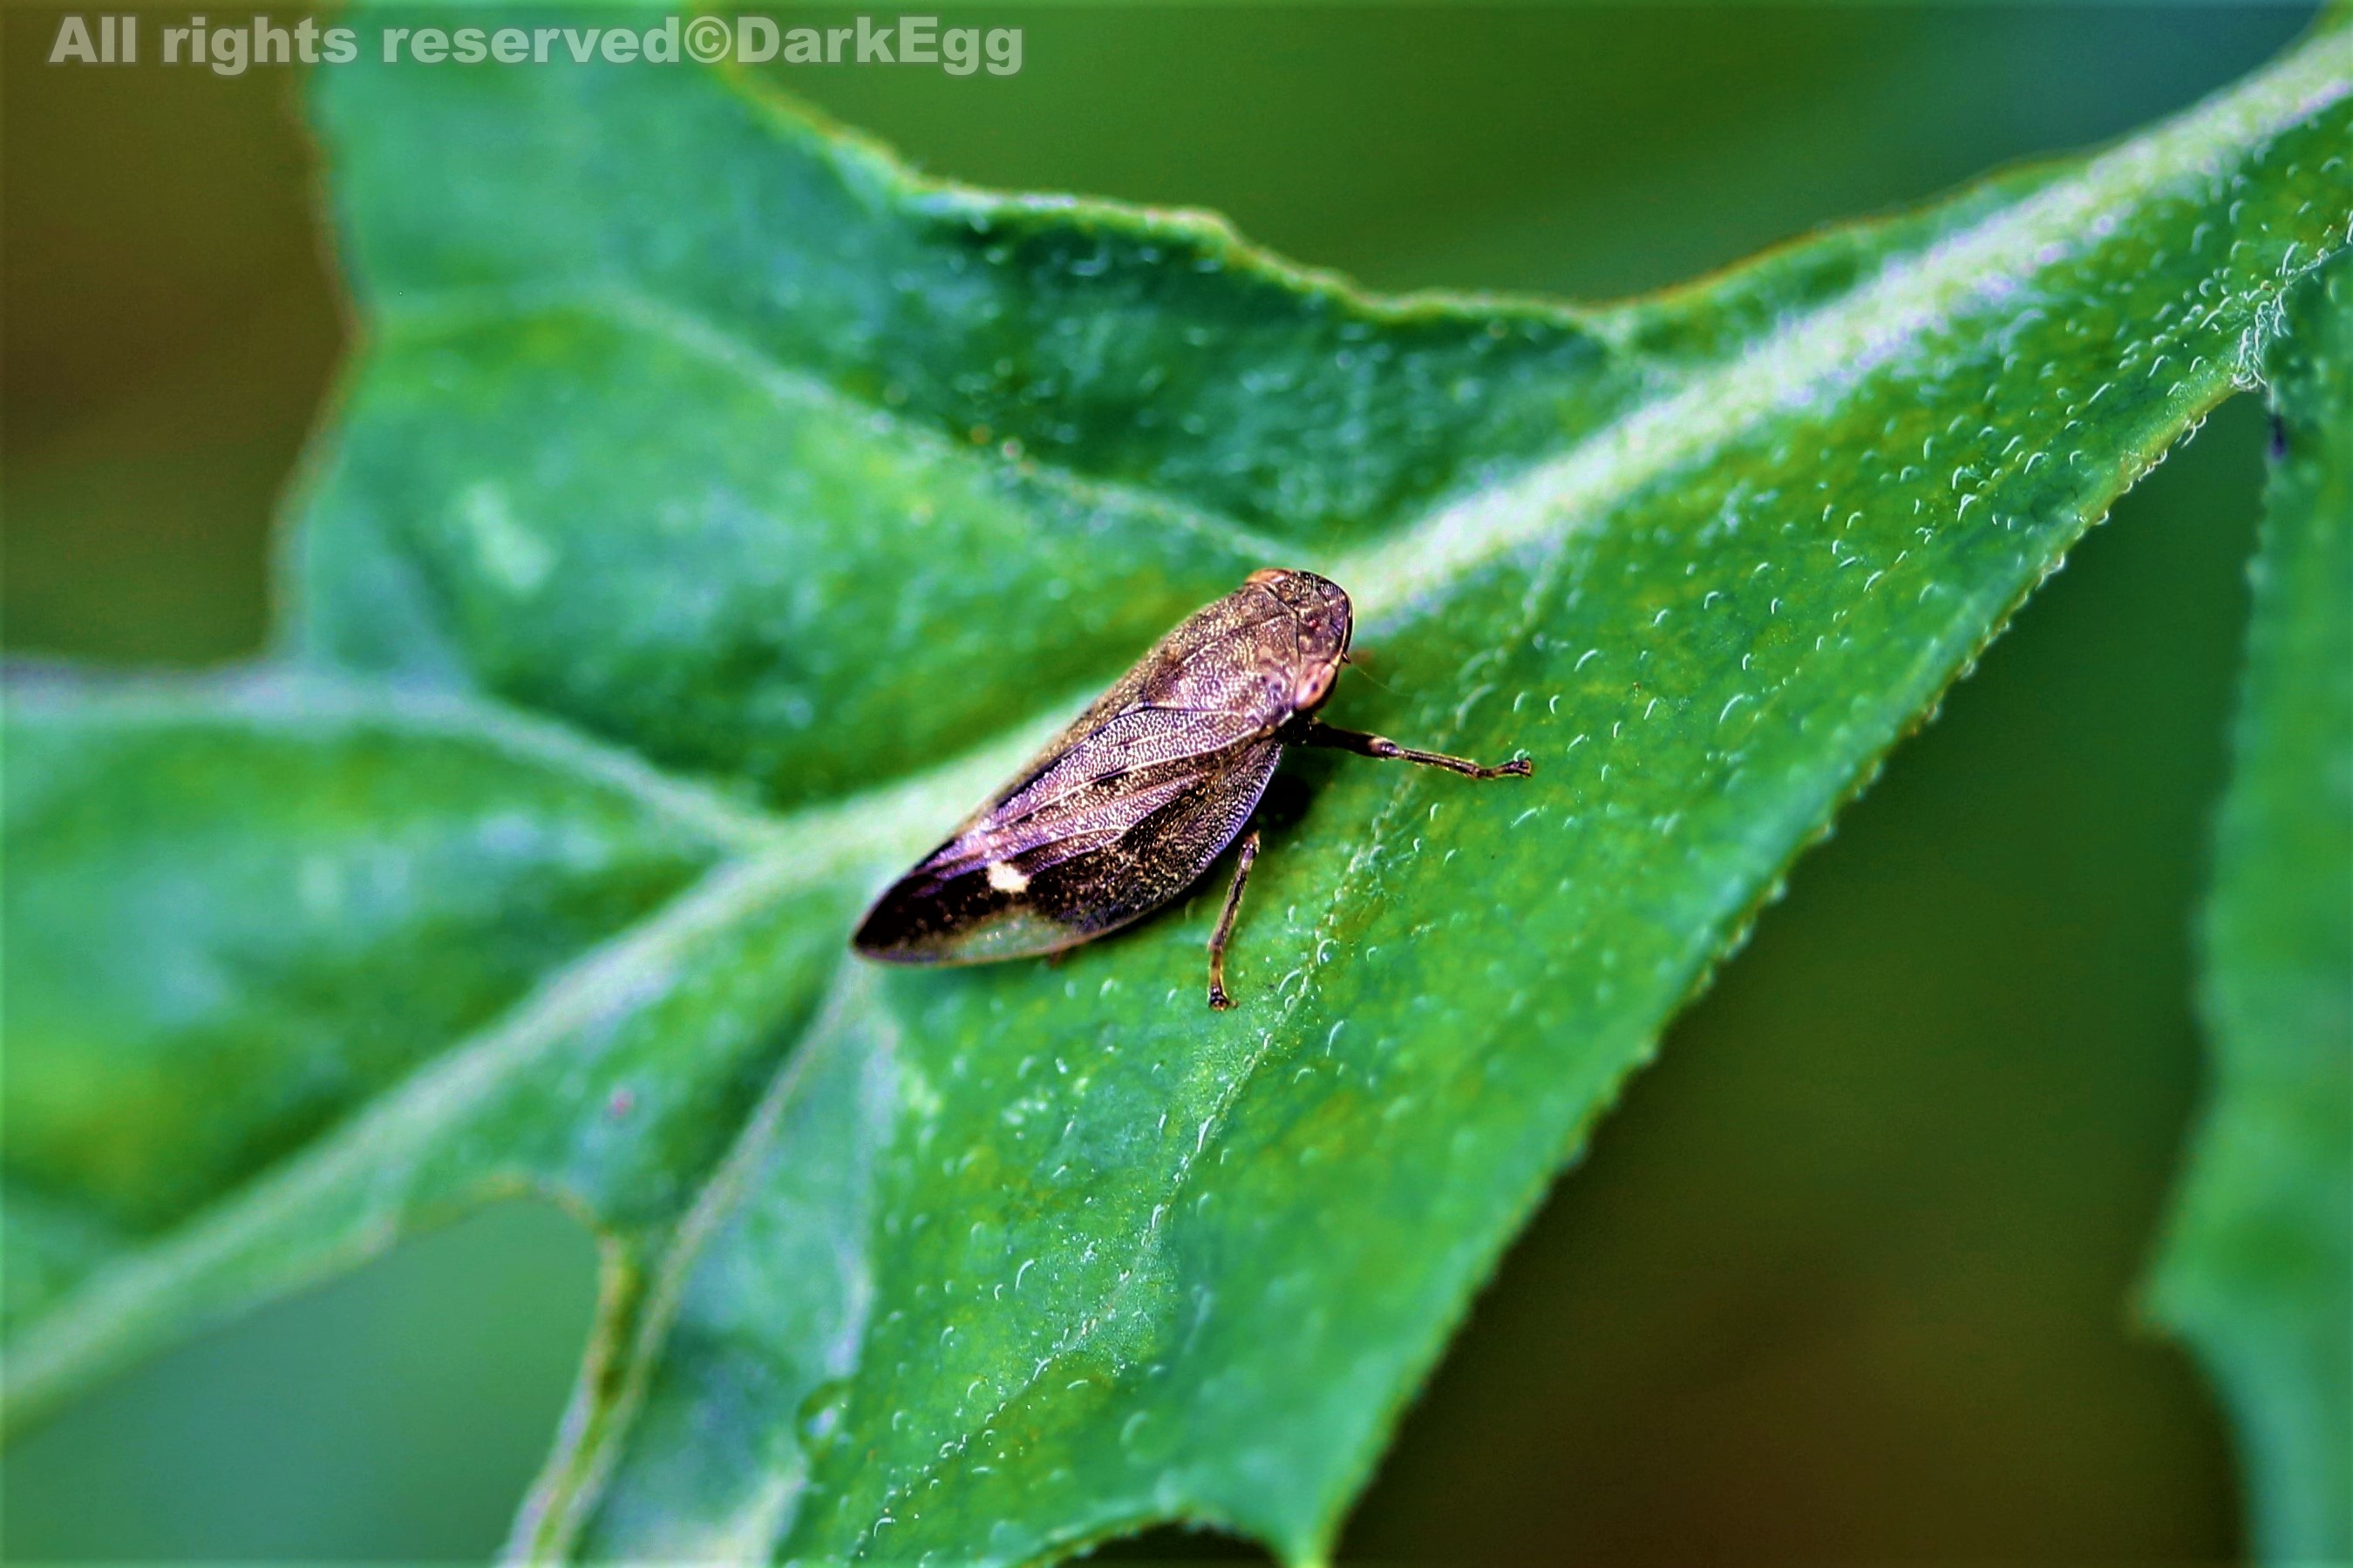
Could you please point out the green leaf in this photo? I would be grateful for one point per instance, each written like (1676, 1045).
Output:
(2257, 1272)
(241, 911)
(720, 442)
(292, 965)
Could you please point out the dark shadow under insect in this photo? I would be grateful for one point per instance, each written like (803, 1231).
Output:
(1128, 805)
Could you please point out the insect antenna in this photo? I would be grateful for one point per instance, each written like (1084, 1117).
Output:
(1362, 661)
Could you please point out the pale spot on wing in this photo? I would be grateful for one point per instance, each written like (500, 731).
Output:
(1007, 877)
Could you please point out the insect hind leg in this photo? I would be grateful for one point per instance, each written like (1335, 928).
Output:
(1225, 932)
(1315, 732)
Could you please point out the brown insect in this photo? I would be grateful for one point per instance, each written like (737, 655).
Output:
(1125, 809)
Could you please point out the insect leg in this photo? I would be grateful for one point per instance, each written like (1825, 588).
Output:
(1315, 732)
(1218, 939)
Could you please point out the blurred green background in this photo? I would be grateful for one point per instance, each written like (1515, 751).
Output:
(1848, 1274)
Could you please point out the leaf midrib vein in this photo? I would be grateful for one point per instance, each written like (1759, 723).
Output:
(1837, 345)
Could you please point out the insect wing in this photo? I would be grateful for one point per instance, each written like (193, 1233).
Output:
(1096, 860)
(1208, 684)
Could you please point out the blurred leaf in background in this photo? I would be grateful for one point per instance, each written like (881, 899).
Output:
(2258, 1269)
(1900, 1091)
(170, 330)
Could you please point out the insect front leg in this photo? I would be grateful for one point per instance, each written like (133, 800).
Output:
(1224, 933)
(1315, 732)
